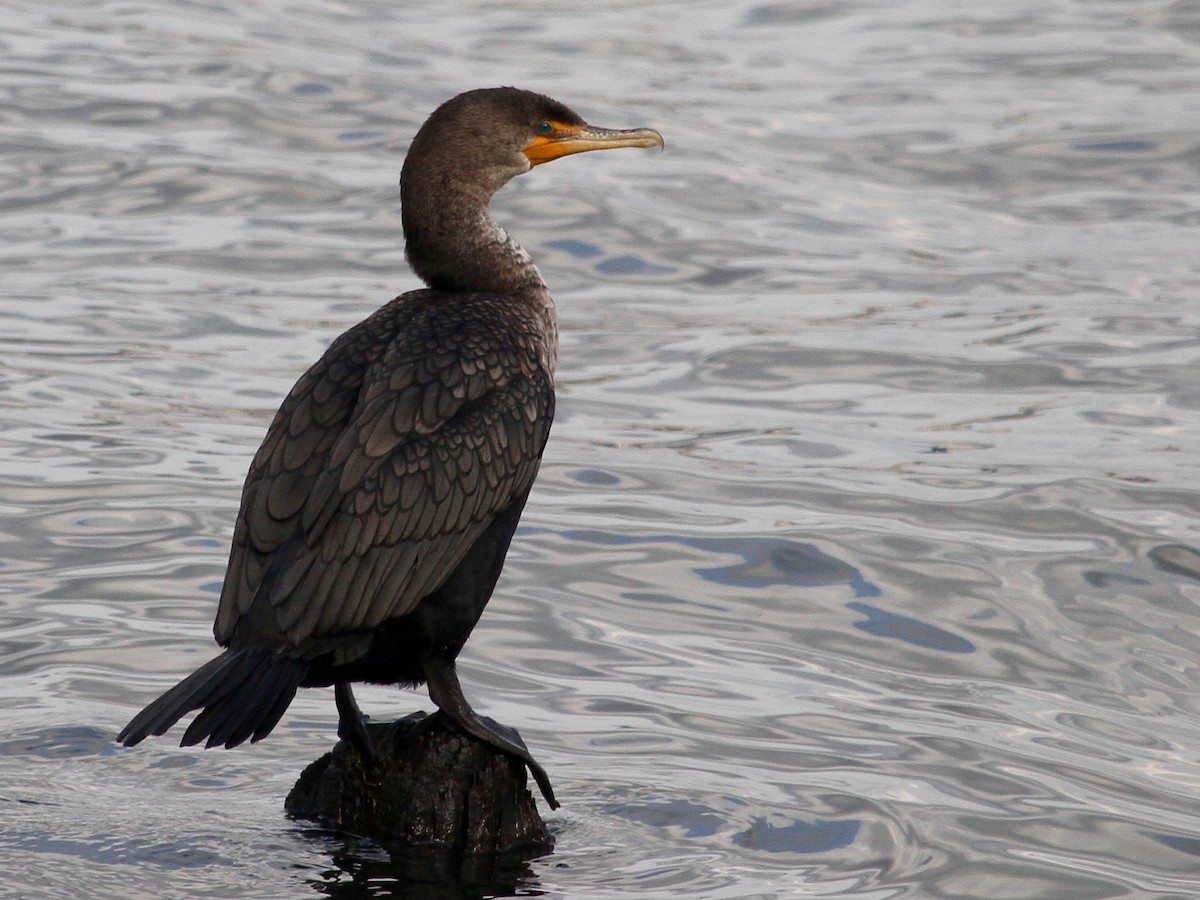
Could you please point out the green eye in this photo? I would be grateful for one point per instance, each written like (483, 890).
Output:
(544, 128)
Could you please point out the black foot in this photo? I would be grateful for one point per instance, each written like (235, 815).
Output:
(352, 724)
(444, 690)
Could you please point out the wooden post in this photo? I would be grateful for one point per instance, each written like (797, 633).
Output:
(431, 787)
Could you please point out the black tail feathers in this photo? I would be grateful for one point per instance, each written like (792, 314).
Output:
(243, 695)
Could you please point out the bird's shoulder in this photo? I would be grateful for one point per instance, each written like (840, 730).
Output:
(419, 358)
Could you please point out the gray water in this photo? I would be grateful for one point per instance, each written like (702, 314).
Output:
(860, 563)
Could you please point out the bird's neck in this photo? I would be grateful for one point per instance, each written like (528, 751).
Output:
(456, 248)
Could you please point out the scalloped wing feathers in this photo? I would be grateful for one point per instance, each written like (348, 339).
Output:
(385, 463)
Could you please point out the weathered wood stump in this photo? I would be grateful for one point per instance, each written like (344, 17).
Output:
(430, 787)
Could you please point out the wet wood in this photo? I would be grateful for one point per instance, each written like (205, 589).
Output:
(430, 787)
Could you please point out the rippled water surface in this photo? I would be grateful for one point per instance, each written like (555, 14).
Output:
(862, 560)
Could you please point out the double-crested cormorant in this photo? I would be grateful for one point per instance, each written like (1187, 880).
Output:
(377, 513)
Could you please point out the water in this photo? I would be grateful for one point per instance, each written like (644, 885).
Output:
(860, 563)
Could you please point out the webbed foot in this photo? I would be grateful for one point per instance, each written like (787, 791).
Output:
(445, 691)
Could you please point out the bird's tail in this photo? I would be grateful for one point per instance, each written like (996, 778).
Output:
(243, 694)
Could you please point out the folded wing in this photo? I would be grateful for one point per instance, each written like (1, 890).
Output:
(384, 465)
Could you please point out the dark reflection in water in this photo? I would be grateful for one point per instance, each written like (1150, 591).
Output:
(771, 561)
(362, 868)
(766, 561)
(912, 631)
(799, 837)
(1177, 559)
(692, 819)
(1184, 844)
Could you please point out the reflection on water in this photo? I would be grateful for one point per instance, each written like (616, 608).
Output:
(864, 556)
(361, 868)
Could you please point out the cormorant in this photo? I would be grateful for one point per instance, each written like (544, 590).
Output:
(377, 513)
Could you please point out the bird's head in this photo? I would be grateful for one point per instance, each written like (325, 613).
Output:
(482, 138)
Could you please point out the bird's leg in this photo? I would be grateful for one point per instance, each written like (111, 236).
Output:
(352, 724)
(445, 691)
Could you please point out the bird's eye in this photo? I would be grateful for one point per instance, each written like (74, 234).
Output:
(544, 128)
